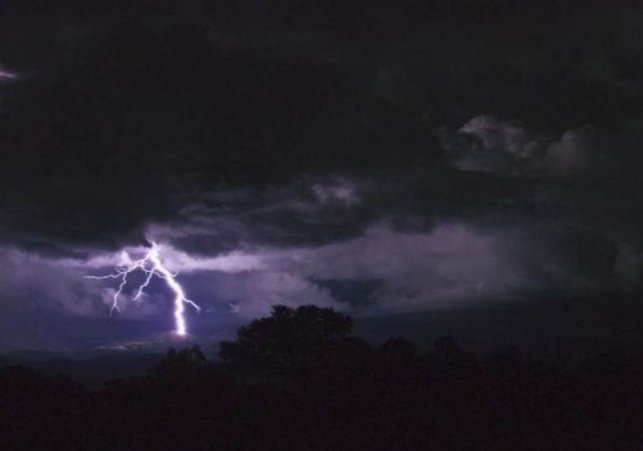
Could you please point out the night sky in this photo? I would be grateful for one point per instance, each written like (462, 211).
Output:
(466, 167)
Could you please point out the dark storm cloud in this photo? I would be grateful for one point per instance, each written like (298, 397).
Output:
(319, 210)
(121, 116)
(118, 124)
(586, 193)
(391, 157)
(121, 122)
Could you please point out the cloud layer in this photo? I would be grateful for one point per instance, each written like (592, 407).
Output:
(412, 168)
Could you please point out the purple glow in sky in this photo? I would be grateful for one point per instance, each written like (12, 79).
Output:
(151, 266)
(408, 169)
(7, 75)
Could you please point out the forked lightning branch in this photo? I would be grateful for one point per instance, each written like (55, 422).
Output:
(151, 266)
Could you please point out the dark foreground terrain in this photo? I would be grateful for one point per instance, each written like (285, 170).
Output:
(298, 380)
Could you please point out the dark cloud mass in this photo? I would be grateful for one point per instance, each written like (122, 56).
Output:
(375, 157)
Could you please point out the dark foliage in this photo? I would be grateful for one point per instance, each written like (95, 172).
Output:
(303, 383)
(289, 340)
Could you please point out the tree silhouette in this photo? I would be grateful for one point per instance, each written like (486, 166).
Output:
(180, 367)
(289, 339)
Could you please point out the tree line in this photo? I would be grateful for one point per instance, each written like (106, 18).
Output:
(299, 380)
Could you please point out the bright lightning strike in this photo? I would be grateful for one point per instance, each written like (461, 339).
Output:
(151, 266)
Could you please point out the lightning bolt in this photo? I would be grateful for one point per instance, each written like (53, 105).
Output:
(151, 265)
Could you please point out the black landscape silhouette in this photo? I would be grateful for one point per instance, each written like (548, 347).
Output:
(299, 380)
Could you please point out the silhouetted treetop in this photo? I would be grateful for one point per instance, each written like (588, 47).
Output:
(288, 338)
(181, 364)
